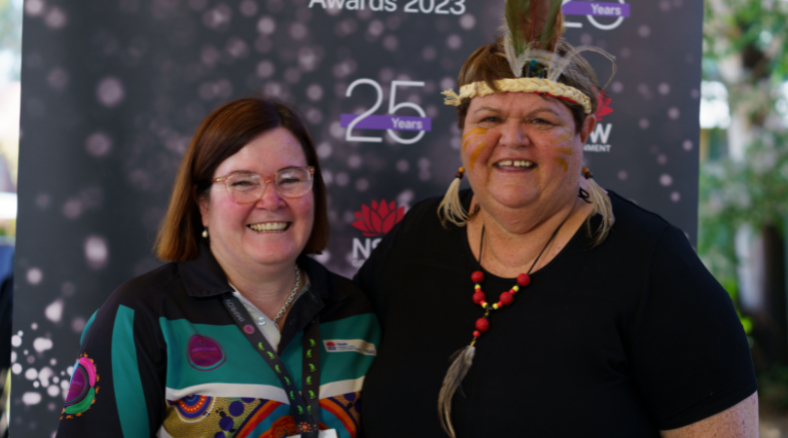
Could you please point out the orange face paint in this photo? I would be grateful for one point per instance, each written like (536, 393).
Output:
(564, 136)
(474, 131)
(567, 151)
(562, 163)
(478, 151)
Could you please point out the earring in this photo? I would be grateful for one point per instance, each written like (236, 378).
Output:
(205, 233)
(587, 173)
(450, 208)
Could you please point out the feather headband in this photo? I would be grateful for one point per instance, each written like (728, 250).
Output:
(531, 31)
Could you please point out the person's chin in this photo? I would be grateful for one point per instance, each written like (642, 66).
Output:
(514, 198)
(272, 257)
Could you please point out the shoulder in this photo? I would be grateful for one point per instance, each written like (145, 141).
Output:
(632, 217)
(638, 238)
(135, 303)
(634, 225)
(146, 288)
(340, 287)
(425, 212)
(334, 288)
(422, 220)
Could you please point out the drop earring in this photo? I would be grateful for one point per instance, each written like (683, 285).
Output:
(205, 233)
(450, 208)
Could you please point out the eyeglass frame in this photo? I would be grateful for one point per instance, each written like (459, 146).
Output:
(309, 169)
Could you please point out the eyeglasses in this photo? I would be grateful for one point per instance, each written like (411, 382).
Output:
(247, 187)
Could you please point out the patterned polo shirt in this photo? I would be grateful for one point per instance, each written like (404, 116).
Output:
(162, 357)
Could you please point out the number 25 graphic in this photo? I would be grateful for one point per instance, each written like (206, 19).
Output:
(393, 108)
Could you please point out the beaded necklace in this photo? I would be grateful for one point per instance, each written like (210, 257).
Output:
(463, 359)
(506, 298)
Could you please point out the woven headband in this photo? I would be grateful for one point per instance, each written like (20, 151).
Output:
(519, 85)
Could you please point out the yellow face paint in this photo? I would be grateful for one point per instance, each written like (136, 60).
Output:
(567, 151)
(478, 151)
(562, 163)
(564, 136)
(474, 131)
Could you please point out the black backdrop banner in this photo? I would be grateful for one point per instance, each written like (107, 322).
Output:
(113, 90)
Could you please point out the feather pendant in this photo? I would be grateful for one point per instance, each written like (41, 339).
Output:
(463, 359)
(530, 25)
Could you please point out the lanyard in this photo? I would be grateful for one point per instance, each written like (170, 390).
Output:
(304, 412)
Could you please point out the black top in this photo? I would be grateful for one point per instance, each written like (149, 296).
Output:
(163, 357)
(622, 340)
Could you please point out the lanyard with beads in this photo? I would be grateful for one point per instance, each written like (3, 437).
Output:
(304, 408)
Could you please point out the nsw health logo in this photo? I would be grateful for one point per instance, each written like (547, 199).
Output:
(350, 345)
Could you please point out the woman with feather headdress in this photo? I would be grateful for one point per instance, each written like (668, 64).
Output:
(537, 303)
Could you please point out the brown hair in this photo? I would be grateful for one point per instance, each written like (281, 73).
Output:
(222, 134)
(488, 64)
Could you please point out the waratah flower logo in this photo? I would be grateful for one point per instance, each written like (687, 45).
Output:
(602, 105)
(379, 219)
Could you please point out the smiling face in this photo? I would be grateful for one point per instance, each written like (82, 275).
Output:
(521, 151)
(271, 231)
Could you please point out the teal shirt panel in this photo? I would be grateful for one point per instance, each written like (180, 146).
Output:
(244, 365)
(126, 377)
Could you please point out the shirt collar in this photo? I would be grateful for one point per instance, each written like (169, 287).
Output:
(203, 277)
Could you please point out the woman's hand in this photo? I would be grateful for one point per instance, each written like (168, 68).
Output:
(740, 421)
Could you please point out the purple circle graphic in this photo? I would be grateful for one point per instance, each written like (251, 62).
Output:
(226, 423)
(236, 408)
(205, 354)
(249, 329)
(78, 386)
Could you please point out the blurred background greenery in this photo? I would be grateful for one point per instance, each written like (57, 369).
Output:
(744, 179)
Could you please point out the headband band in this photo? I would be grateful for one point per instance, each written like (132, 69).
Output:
(519, 85)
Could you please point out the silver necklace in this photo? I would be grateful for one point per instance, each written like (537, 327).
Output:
(290, 298)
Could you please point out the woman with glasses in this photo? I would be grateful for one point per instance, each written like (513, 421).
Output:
(241, 334)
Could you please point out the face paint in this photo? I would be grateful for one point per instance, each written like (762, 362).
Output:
(560, 138)
(565, 135)
(474, 131)
(478, 151)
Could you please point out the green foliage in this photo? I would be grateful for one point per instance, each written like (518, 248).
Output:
(733, 193)
(744, 46)
(754, 28)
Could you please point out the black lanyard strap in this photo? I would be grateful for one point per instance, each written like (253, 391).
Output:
(304, 407)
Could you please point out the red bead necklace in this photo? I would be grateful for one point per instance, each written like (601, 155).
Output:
(507, 297)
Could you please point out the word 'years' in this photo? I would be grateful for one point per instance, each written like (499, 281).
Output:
(440, 7)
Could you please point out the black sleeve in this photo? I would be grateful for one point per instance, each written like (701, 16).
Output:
(690, 355)
(369, 276)
(117, 382)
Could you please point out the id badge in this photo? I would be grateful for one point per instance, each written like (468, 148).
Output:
(328, 433)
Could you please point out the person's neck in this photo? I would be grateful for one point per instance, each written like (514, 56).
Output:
(514, 238)
(267, 287)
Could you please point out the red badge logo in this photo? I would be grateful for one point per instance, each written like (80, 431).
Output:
(602, 106)
(379, 219)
